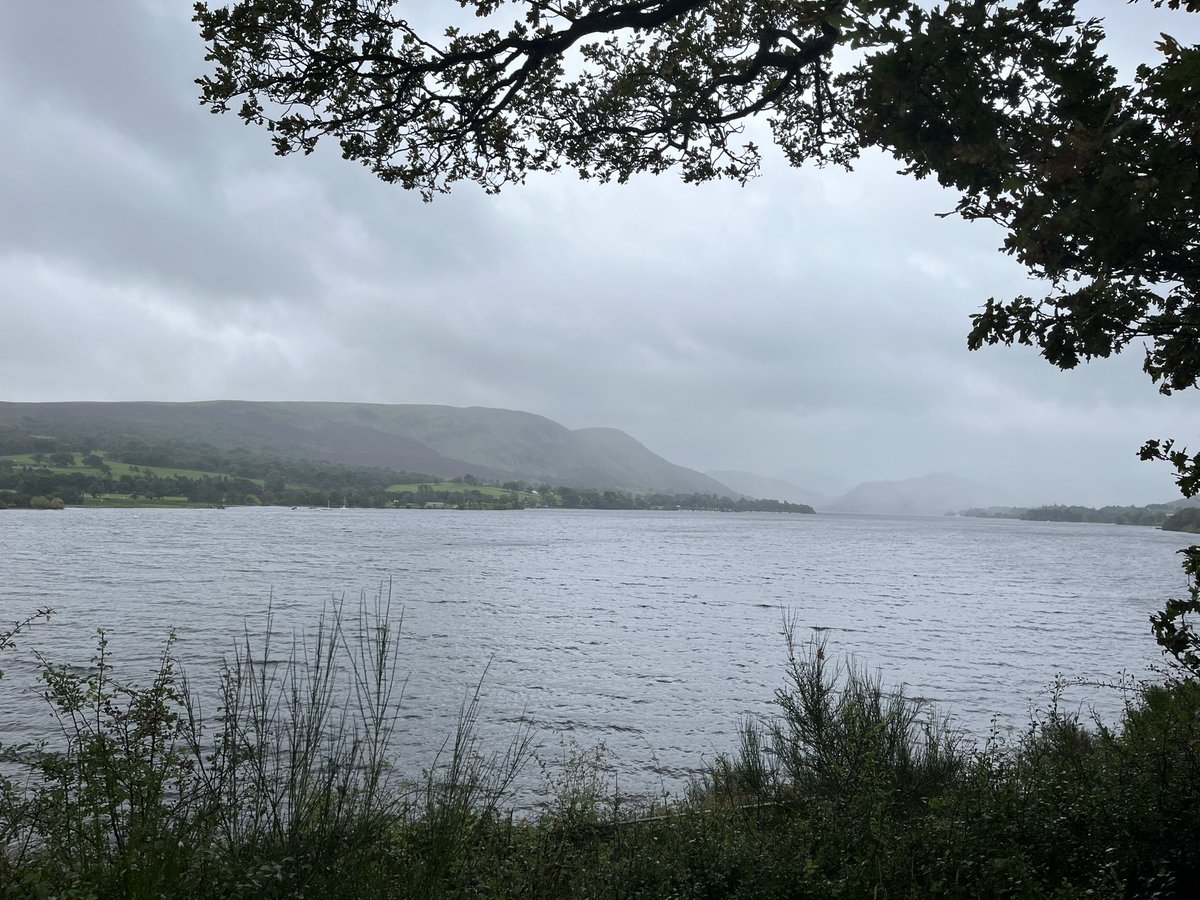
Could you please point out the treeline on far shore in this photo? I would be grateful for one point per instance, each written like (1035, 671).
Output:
(570, 498)
(1186, 519)
(1153, 514)
(55, 480)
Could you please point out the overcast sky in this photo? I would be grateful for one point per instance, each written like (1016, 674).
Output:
(814, 320)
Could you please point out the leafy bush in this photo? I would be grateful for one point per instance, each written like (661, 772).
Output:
(850, 790)
(289, 791)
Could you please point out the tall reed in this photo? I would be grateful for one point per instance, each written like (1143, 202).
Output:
(291, 786)
(850, 789)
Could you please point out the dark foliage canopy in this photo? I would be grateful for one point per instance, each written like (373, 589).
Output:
(1011, 103)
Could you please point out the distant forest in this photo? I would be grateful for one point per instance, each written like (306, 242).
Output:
(1154, 514)
(1186, 519)
(50, 473)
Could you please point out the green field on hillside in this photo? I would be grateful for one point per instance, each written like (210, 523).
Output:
(116, 468)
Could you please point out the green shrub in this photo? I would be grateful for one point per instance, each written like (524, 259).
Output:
(850, 790)
(288, 791)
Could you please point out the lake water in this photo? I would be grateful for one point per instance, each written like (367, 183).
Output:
(654, 633)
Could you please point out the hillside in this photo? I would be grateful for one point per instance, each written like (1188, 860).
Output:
(491, 444)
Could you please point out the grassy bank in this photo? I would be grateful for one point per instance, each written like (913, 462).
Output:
(852, 790)
(126, 501)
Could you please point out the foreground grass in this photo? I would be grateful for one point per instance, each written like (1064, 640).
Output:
(851, 791)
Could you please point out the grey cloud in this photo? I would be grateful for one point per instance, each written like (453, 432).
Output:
(814, 319)
(112, 160)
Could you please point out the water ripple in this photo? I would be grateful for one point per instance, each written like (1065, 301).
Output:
(652, 632)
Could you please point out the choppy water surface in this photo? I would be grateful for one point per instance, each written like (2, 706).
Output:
(652, 632)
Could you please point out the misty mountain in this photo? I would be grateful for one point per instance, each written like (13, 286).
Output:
(491, 444)
(763, 488)
(815, 481)
(930, 495)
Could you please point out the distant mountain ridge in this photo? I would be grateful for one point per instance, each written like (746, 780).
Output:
(764, 488)
(492, 444)
(930, 495)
